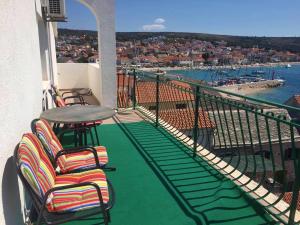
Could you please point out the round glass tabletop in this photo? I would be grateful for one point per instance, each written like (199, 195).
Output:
(78, 114)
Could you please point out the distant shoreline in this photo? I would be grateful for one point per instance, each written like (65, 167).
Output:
(154, 69)
(251, 88)
(241, 89)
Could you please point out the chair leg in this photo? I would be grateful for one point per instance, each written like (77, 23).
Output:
(39, 219)
(85, 135)
(97, 137)
(75, 138)
(92, 137)
(106, 217)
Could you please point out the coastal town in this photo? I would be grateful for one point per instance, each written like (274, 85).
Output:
(162, 51)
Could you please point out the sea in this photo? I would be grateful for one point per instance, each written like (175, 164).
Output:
(279, 95)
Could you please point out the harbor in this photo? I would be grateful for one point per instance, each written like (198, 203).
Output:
(252, 87)
(274, 83)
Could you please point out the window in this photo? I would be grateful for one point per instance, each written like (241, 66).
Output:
(181, 106)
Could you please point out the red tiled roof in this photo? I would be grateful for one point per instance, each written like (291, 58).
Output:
(183, 119)
(288, 199)
(123, 100)
(146, 92)
(123, 80)
(152, 59)
(297, 99)
(294, 101)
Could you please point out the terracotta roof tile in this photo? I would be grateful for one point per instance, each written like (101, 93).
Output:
(124, 80)
(183, 119)
(146, 92)
(297, 99)
(288, 199)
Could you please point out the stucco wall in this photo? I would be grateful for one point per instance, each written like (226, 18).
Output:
(104, 12)
(20, 93)
(72, 75)
(80, 75)
(95, 81)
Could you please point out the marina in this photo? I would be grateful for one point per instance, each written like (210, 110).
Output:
(275, 83)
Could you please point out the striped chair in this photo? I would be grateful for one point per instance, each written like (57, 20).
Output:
(60, 198)
(82, 158)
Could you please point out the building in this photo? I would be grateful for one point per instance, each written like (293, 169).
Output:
(254, 140)
(184, 121)
(28, 66)
(171, 97)
(186, 188)
(294, 101)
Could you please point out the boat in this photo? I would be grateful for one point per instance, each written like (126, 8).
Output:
(160, 72)
(281, 81)
(258, 72)
(288, 66)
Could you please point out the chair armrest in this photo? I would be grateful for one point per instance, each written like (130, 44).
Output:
(84, 92)
(74, 93)
(79, 97)
(70, 151)
(111, 192)
(74, 103)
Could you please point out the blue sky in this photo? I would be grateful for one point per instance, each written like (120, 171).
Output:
(235, 17)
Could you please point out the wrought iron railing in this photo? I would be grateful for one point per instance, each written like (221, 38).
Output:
(252, 141)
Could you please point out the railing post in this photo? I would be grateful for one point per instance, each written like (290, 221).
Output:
(196, 119)
(118, 91)
(295, 193)
(133, 91)
(157, 100)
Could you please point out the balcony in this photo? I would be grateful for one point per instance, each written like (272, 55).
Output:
(158, 181)
(81, 75)
(191, 154)
(224, 160)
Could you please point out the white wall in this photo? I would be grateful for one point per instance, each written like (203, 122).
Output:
(101, 78)
(72, 75)
(104, 11)
(95, 81)
(20, 93)
(80, 75)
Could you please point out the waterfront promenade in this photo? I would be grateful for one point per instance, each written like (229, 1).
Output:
(250, 88)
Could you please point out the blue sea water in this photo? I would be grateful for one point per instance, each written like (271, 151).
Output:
(278, 95)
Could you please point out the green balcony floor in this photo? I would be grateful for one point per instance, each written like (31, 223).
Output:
(157, 182)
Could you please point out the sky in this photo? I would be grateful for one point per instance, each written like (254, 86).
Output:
(232, 17)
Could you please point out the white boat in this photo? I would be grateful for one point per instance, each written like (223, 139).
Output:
(288, 66)
(160, 72)
(281, 81)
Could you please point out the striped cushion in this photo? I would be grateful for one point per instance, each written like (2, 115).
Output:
(35, 165)
(79, 198)
(66, 163)
(49, 140)
(85, 160)
(60, 102)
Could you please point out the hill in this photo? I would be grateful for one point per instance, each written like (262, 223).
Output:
(277, 43)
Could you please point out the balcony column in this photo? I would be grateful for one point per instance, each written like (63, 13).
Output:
(104, 11)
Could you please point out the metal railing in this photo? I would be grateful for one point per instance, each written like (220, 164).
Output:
(254, 142)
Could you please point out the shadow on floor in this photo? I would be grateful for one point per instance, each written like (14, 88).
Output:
(203, 193)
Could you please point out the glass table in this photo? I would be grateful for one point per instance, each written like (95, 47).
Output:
(77, 116)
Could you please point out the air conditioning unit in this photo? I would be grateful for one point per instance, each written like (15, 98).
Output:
(54, 10)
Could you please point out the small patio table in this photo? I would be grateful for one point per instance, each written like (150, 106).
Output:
(78, 115)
